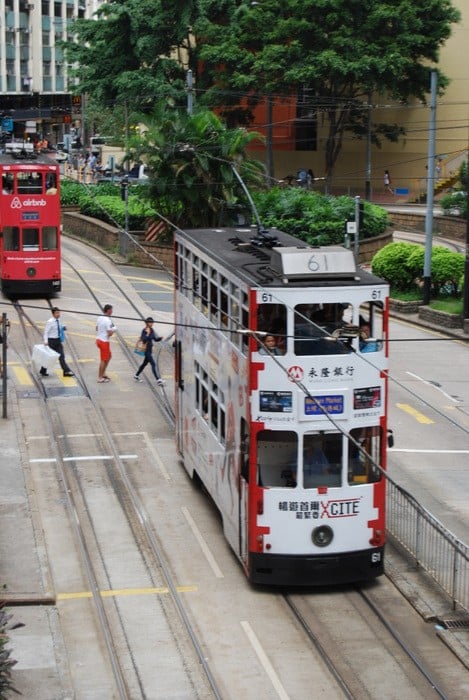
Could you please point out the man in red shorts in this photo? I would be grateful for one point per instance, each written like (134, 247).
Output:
(105, 328)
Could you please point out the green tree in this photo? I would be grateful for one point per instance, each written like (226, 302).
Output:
(128, 53)
(191, 159)
(341, 51)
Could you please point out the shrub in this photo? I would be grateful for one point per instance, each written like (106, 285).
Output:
(315, 218)
(402, 265)
(111, 209)
(455, 200)
(392, 264)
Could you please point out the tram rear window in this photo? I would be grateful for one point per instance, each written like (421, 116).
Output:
(49, 238)
(30, 182)
(11, 238)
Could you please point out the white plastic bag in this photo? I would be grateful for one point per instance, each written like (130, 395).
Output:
(44, 356)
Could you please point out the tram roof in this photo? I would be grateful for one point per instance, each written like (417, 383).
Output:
(18, 158)
(258, 258)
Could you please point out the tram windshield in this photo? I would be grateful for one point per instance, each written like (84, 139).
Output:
(317, 326)
(282, 462)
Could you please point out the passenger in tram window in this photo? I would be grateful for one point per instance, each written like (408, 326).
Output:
(366, 343)
(269, 346)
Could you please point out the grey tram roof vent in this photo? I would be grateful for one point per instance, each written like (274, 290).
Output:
(322, 262)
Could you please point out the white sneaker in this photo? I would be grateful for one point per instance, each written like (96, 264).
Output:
(160, 382)
(137, 378)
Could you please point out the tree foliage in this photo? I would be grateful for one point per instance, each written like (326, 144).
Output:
(340, 51)
(191, 159)
(126, 53)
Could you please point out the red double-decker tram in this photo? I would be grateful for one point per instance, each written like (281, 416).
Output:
(29, 223)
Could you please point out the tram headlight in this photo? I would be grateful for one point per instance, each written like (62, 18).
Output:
(31, 271)
(322, 536)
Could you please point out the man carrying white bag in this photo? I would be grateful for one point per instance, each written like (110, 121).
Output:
(54, 335)
(44, 357)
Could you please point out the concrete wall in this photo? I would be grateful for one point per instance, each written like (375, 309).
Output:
(446, 226)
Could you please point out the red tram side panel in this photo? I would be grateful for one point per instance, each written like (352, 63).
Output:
(30, 257)
(287, 434)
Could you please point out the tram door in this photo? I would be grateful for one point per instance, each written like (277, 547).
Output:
(179, 397)
(244, 491)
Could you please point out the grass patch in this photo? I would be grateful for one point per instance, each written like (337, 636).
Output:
(406, 295)
(451, 306)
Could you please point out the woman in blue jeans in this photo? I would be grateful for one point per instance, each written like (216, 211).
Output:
(149, 337)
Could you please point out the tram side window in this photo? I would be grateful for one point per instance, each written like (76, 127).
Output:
(322, 460)
(277, 457)
(11, 238)
(7, 183)
(49, 238)
(30, 183)
(316, 327)
(31, 239)
(51, 184)
(272, 319)
(361, 467)
(371, 327)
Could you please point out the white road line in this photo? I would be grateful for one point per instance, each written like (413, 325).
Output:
(425, 381)
(84, 458)
(152, 449)
(203, 545)
(263, 658)
(429, 452)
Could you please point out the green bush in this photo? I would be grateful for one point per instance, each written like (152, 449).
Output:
(392, 264)
(315, 218)
(111, 209)
(402, 265)
(455, 200)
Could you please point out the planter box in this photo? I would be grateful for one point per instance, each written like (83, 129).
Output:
(440, 318)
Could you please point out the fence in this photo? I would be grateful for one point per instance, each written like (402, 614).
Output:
(434, 549)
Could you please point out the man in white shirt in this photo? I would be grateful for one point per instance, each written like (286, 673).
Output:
(53, 336)
(105, 328)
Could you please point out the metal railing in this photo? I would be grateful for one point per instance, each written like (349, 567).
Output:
(430, 544)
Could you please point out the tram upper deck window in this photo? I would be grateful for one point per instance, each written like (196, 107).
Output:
(371, 327)
(30, 182)
(362, 463)
(11, 238)
(49, 238)
(51, 184)
(272, 319)
(316, 326)
(277, 454)
(7, 183)
(31, 239)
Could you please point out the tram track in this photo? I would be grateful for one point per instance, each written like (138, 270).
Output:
(338, 651)
(128, 514)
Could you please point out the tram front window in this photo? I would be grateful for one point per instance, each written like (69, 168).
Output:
(49, 238)
(316, 327)
(277, 457)
(31, 239)
(11, 238)
(322, 460)
(362, 462)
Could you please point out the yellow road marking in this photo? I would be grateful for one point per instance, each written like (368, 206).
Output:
(413, 412)
(124, 592)
(22, 375)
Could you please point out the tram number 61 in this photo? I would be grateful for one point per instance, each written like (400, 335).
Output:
(266, 298)
(375, 557)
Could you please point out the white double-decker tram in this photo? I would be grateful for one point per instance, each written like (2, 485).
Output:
(281, 380)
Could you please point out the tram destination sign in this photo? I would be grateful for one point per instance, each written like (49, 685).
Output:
(329, 403)
(29, 216)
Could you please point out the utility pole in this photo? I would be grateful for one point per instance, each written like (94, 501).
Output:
(368, 152)
(427, 266)
(190, 94)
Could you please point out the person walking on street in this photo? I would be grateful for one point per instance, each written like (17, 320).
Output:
(387, 182)
(54, 337)
(148, 337)
(105, 328)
